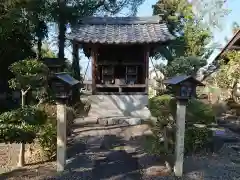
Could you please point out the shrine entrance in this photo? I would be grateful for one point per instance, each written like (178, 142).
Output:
(119, 48)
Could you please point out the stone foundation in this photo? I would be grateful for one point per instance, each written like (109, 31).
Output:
(119, 105)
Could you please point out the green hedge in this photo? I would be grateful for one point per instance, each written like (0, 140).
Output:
(164, 109)
(21, 125)
(196, 112)
(47, 137)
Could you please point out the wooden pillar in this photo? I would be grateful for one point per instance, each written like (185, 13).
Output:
(61, 136)
(94, 68)
(180, 133)
(146, 64)
(75, 63)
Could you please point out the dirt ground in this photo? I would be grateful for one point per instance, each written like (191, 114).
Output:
(96, 151)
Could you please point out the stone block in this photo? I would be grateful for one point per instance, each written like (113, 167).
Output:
(158, 171)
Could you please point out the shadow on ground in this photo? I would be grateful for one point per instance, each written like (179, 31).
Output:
(34, 172)
(117, 164)
(109, 160)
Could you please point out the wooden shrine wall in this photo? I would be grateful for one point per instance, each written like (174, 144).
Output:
(118, 69)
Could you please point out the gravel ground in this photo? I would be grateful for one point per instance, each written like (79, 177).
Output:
(98, 154)
(9, 156)
(33, 172)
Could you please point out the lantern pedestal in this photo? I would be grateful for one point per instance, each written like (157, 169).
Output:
(179, 146)
(61, 136)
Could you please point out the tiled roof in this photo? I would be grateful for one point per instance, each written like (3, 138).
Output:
(178, 79)
(120, 30)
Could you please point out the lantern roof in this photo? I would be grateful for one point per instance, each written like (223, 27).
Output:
(182, 78)
(67, 78)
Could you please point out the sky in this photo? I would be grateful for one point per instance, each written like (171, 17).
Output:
(226, 31)
(219, 34)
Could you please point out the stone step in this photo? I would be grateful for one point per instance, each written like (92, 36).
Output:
(119, 120)
(119, 105)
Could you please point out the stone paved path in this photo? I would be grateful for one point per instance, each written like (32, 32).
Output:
(98, 153)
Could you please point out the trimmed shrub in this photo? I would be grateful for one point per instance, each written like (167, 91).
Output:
(21, 125)
(164, 109)
(196, 138)
(48, 139)
(196, 112)
(199, 112)
(153, 146)
(161, 105)
(48, 134)
(51, 110)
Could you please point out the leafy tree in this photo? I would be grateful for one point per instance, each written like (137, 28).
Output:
(29, 74)
(216, 64)
(47, 52)
(211, 11)
(189, 65)
(192, 36)
(40, 12)
(65, 11)
(16, 39)
(227, 76)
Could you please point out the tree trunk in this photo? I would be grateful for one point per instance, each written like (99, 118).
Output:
(39, 48)
(62, 29)
(76, 73)
(21, 158)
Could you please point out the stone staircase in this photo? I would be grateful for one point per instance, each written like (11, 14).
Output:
(115, 107)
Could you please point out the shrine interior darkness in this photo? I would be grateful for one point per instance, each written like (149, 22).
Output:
(120, 68)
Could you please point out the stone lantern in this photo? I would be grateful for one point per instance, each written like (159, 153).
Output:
(61, 84)
(183, 88)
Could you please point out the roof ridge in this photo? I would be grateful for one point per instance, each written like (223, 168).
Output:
(120, 31)
(93, 20)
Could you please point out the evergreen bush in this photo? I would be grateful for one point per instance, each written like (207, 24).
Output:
(164, 109)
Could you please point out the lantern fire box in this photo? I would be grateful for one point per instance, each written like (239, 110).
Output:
(62, 84)
(183, 87)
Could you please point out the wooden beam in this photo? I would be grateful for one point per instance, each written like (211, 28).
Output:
(122, 86)
(235, 38)
(94, 57)
(234, 47)
(146, 69)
